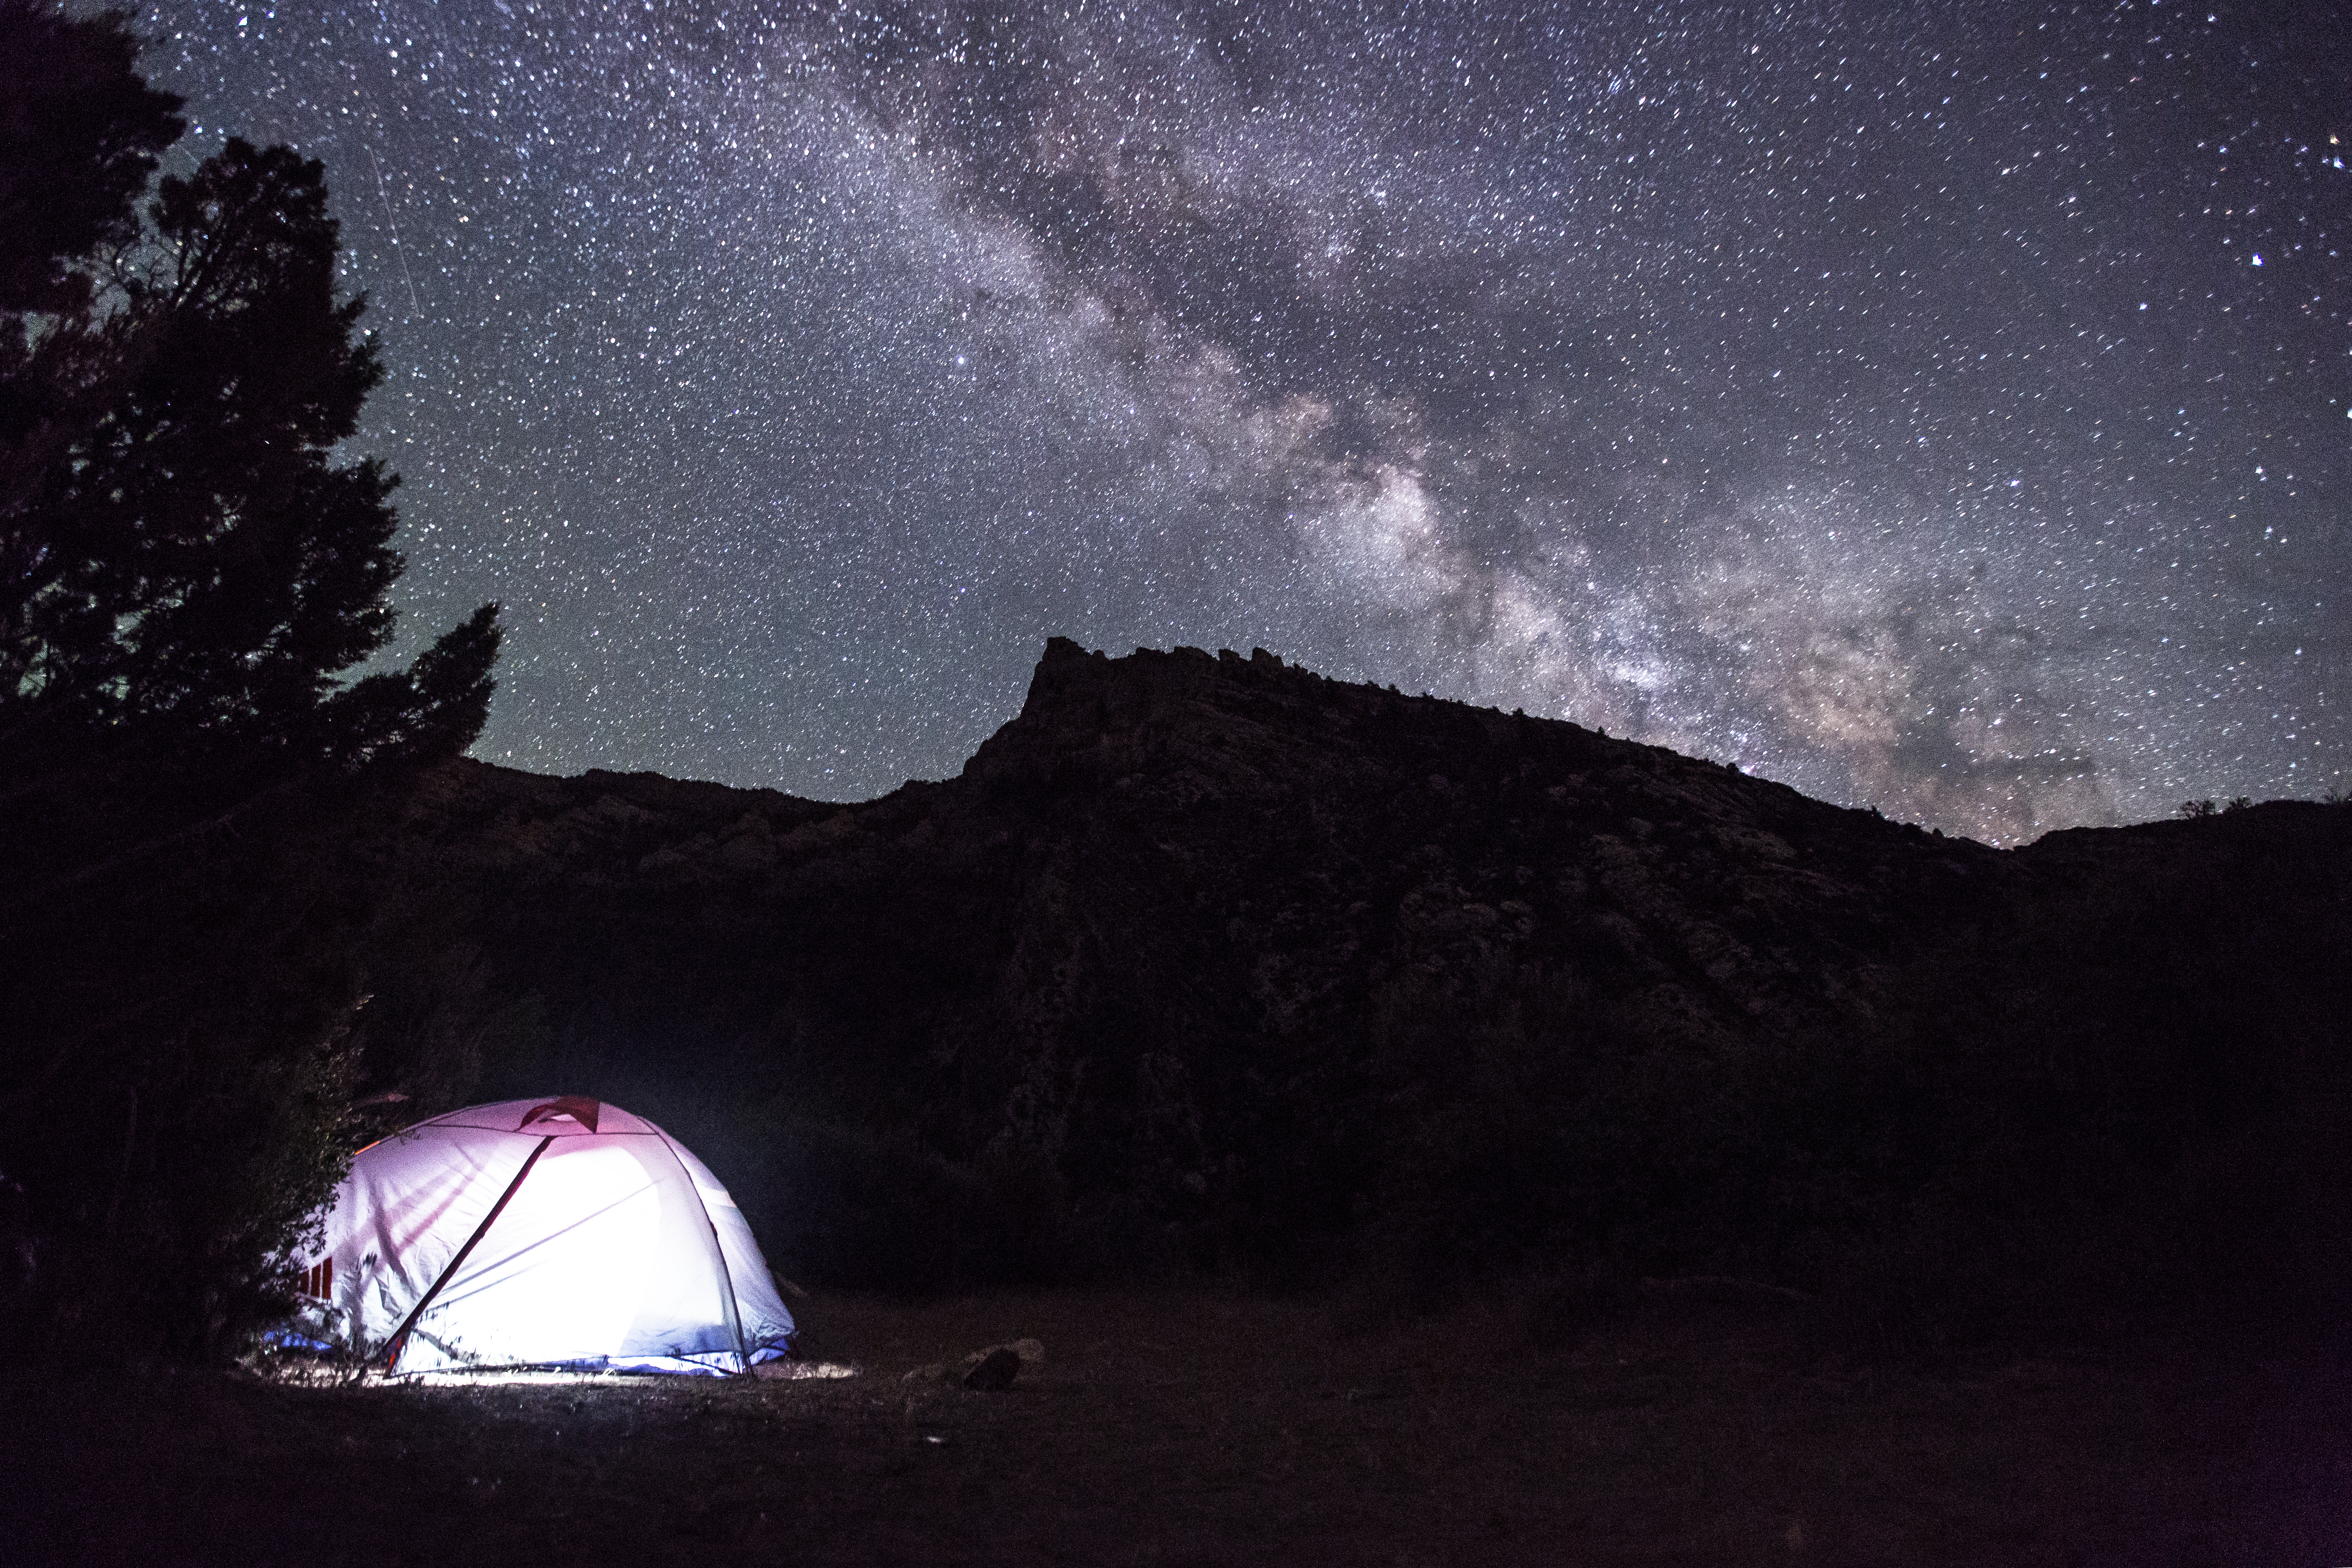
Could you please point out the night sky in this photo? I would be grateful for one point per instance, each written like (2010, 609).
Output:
(1943, 407)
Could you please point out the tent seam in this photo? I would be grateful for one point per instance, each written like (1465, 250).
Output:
(719, 1255)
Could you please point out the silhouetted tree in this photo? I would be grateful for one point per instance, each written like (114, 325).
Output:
(186, 576)
(78, 135)
(188, 572)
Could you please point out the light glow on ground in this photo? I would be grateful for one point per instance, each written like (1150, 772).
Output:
(766, 1371)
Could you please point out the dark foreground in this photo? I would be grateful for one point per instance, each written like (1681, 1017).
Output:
(1211, 1430)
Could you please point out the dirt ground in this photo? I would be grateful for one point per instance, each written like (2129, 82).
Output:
(1215, 1429)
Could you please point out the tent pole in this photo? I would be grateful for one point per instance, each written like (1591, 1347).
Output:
(718, 1256)
(399, 1339)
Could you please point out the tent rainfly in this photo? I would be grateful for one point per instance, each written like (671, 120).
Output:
(551, 1233)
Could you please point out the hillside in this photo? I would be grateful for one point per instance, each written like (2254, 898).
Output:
(1207, 962)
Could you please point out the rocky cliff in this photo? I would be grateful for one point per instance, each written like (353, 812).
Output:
(1206, 960)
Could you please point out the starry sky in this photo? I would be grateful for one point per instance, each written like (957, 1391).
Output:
(1940, 407)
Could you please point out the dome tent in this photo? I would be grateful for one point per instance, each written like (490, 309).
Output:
(556, 1233)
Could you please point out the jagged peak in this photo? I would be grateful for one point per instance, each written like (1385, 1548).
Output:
(1074, 688)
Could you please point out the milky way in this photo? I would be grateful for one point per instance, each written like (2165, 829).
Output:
(1938, 407)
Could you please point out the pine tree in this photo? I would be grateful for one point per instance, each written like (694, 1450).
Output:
(188, 578)
(78, 135)
(188, 571)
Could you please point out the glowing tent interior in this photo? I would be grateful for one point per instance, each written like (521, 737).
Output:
(557, 1233)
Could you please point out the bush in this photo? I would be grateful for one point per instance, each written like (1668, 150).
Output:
(185, 1096)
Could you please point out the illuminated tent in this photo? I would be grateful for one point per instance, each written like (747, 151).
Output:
(558, 1233)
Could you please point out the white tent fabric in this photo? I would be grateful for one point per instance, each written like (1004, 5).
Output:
(540, 1233)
